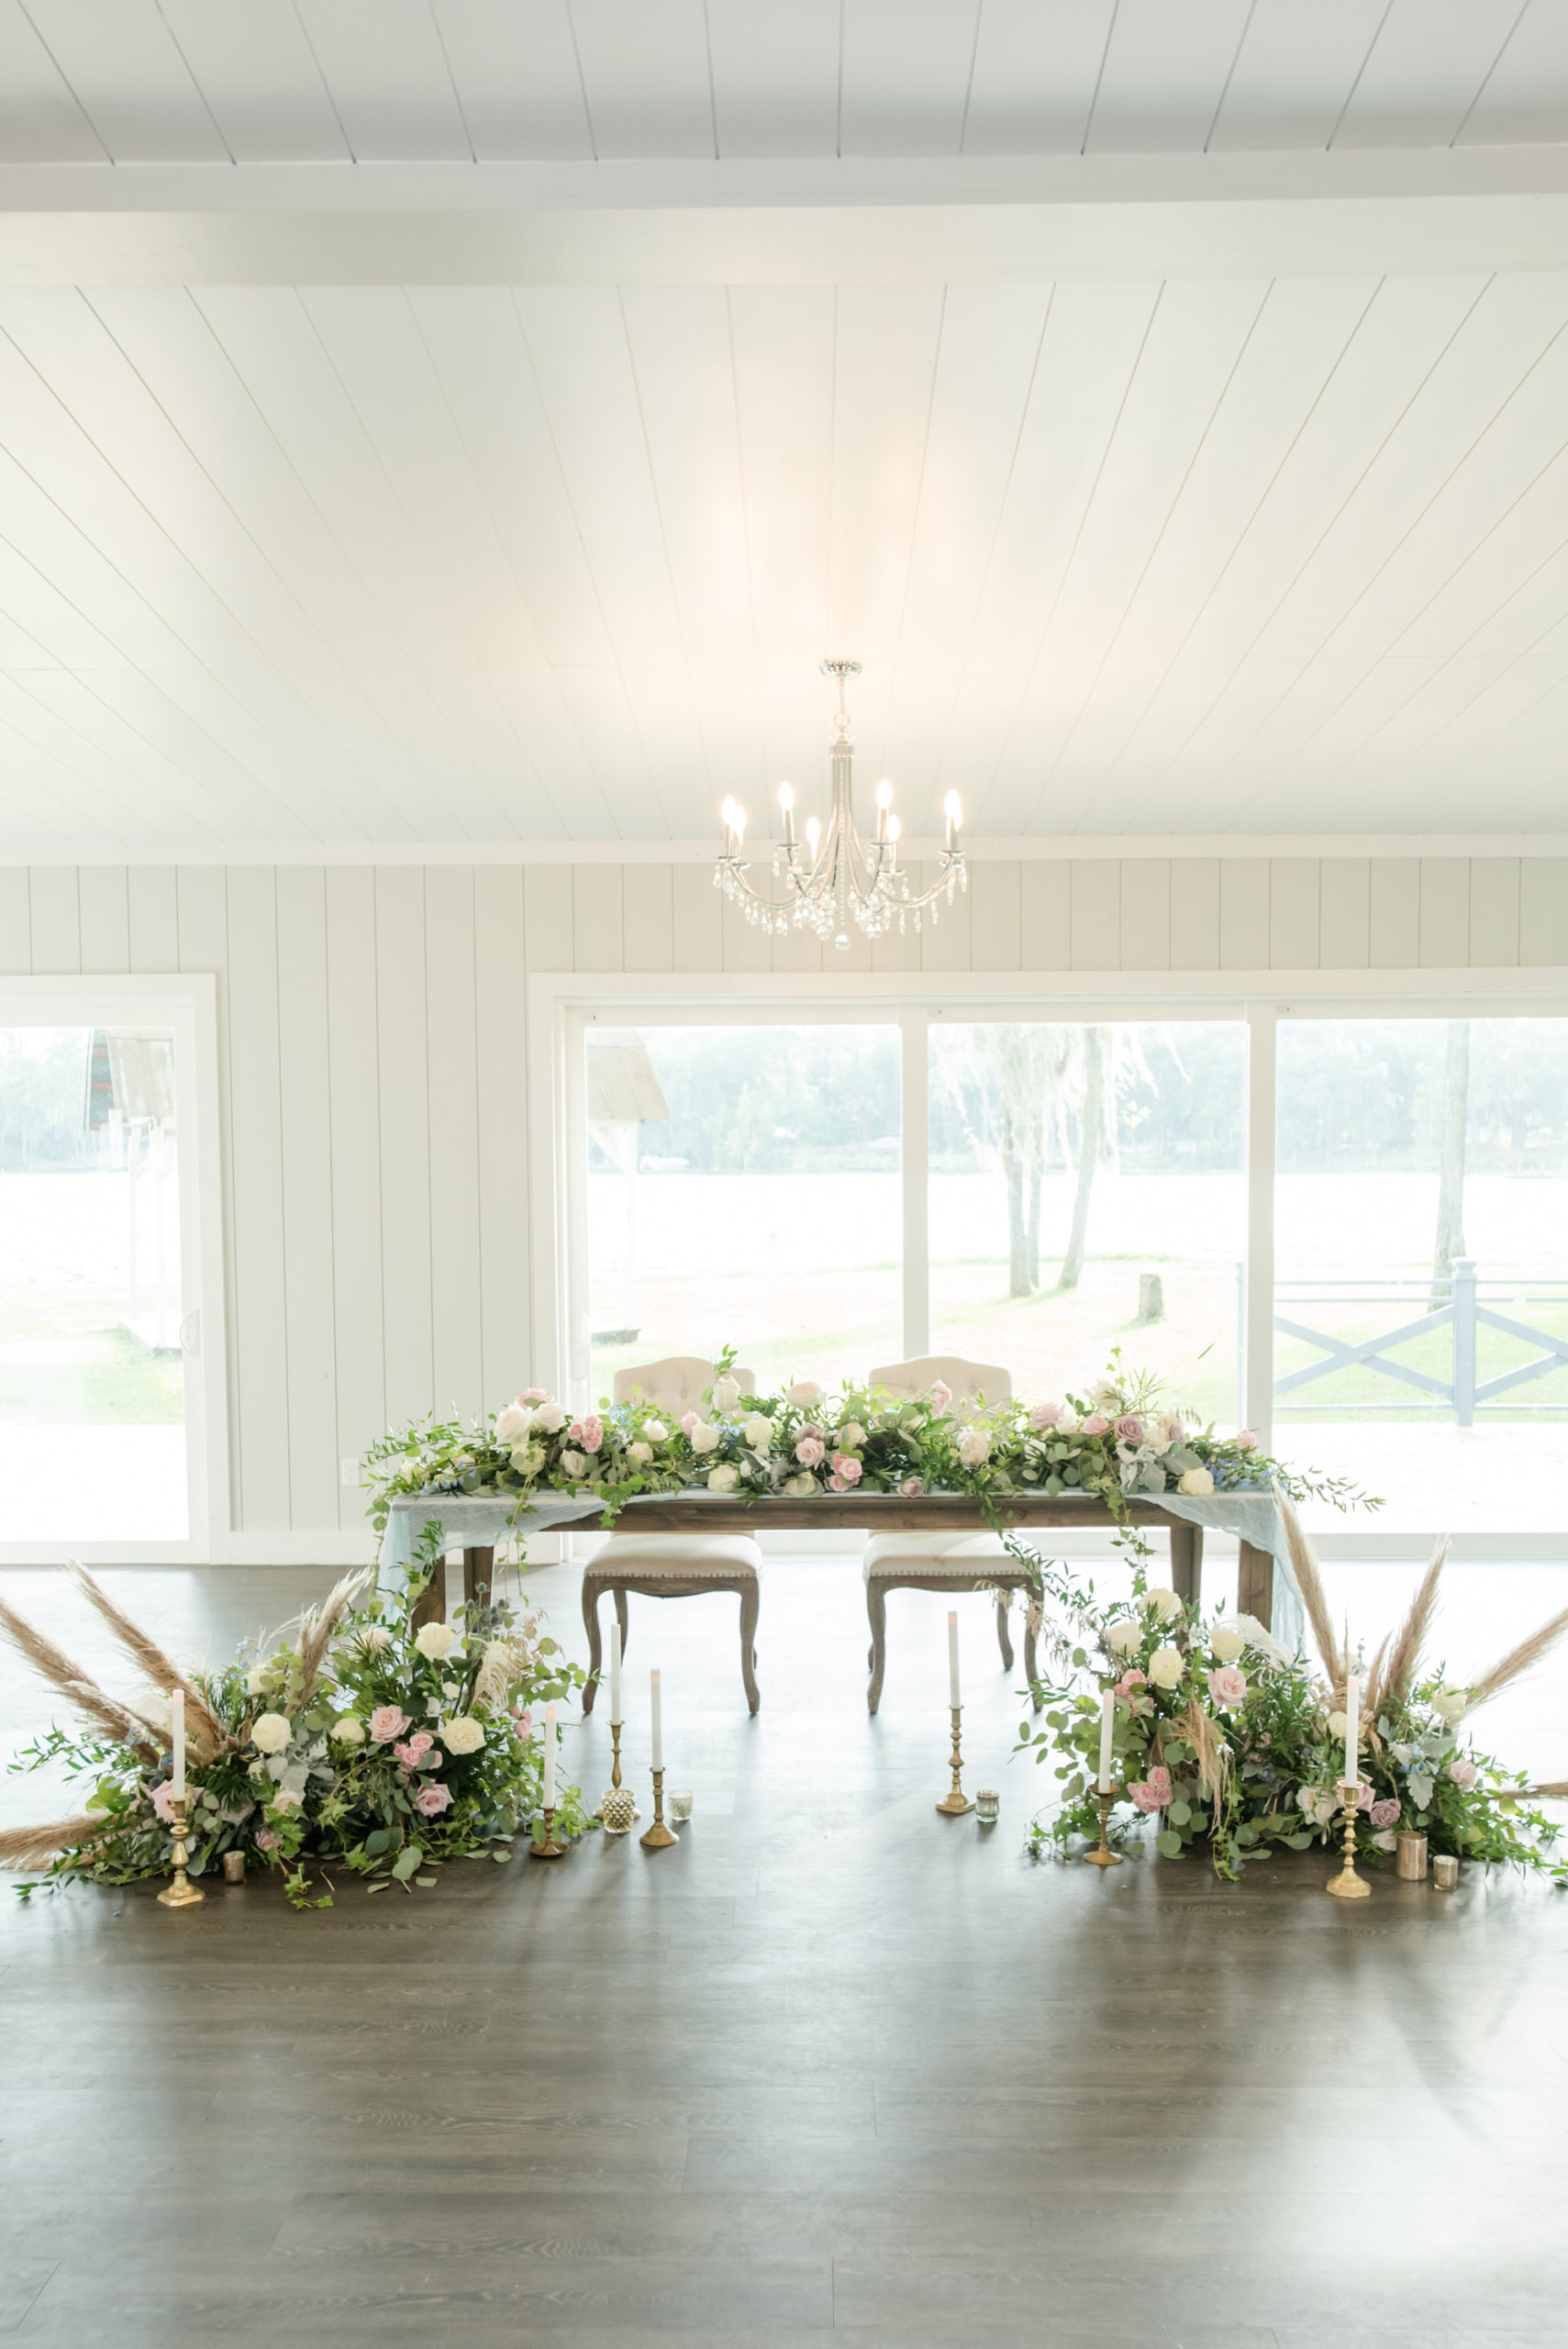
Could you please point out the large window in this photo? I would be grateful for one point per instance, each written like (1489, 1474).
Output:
(744, 1189)
(91, 1303)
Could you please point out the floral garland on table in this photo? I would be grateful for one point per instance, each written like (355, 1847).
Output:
(1219, 1732)
(368, 1740)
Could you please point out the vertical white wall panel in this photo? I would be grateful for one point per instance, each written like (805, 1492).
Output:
(500, 973)
(1095, 937)
(201, 902)
(305, 1087)
(1493, 913)
(745, 946)
(56, 919)
(802, 950)
(1543, 912)
(1045, 916)
(401, 1044)
(1294, 936)
(257, 1191)
(1445, 912)
(1345, 912)
(648, 919)
(16, 922)
(1194, 914)
(946, 931)
(598, 940)
(995, 917)
(548, 902)
(1145, 913)
(154, 917)
(106, 920)
(698, 929)
(354, 1111)
(456, 1279)
(1395, 913)
(1243, 913)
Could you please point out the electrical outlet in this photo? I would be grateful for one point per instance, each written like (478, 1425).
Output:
(349, 1470)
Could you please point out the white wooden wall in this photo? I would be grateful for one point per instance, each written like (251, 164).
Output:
(372, 1043)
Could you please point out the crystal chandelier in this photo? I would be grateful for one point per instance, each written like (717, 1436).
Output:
(839, 878)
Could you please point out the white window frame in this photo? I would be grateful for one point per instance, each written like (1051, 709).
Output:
(561, 1004)
(186, 1003)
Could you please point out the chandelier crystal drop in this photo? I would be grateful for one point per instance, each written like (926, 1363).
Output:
(836, 877)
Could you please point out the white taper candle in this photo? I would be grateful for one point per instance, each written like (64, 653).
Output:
(657, 1722)
(952, 1661)
(1353, 1731)
(614, 1677)
(177, 1716)
(549, 1757)
(1108, 1716)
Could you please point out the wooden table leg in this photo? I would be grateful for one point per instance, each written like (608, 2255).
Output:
(1256, 1584)
(478, 1572)
(431, 1607)
(876, 1612)
(1186, 1563)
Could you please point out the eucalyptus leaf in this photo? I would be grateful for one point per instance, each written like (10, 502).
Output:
(1179, 1812)
(1168, 1844)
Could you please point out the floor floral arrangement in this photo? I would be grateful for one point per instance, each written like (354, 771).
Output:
(362, 1741)
(1116, 1444)
(1221, 1734)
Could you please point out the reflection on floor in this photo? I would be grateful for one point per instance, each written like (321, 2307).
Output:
(835, 2070)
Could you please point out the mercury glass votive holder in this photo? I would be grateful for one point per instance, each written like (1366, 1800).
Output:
(1411, 1857)
(988, 1803)
(234, 1867)
(1445, 1870)
(680, 1806)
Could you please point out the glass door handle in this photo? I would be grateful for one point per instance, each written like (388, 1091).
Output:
(191, 1332)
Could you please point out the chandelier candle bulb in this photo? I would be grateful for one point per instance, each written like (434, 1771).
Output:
(1107, 1717)
(177, 1780)
(658, 1721)
(952, 1662)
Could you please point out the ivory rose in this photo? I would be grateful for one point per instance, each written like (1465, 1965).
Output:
(974, 1448)
(723, 1480)
(850, 1435)
(1227, 1642)
(388, 1721)
(349, 1730)
(656, 1431)
(573, 1464)
(549, 1419)
(703, 1437)
(758, 1431)
(464, 1734)
(726, 1394)
(1164, 1604)
(1197, 1483)
(911, 1489)
(1228, 1685)
(270, 1732)
(511, 1423)
(1123, 1636)
(806, 1392)
(1463, 1771)
(1450, 1705)
(1166, 1666)
(430, 1801)
(802, 1487)
(642, 1452)
(435, 1640)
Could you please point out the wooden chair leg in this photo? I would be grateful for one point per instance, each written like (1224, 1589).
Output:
(750, 1604)
(1031, 1669)
(876, 1611)
(624, 1619)
(591, 1590)
(1004, 1638)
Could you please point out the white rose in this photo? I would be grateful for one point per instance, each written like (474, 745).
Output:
(723, 1480)
(1337, 1725)
(513, 1422)
(549, 1418)
(1166, 1666)
(375, 1639)
(256, 1679)
(349, 1730)
(656, 1431)
(974, 1447)
(802, 1487)
(757, 1433)
(1121, 1638)
(1227, 1644)
(1451, 1705)
(463, 1735)
(806, 1392)
(270, 1732)
(704, 1438)
(1197, 1482)
(435, 1640)
(850, 1434)
(1166, 1604)
(726, 1394)
(642, 1452)
(574, 1462)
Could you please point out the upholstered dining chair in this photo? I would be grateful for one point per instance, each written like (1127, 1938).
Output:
(940, 1561)
(673, 1566)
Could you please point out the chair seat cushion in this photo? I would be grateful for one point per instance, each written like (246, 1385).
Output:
(642, 1555)
(934, 1554)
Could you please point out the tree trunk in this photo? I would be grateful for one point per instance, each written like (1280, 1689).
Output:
(1018, 1281)
(1450, 1165)
(1091, 1146)
(1031, 1235)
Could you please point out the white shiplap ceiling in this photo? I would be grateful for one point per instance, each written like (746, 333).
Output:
(1270, 541)
(375, 80)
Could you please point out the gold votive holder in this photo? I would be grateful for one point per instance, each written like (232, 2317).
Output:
(619, 1809)
(234, 1867)
(987, 1805)
(1411, 1857)
(1445, 1870)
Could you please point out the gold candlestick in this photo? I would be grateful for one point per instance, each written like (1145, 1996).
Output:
(955, 1802)
(549, 1849)
(659, 1837)
(1104, 1857)
(617, 1809)
(182, 1893)
(1347, 1884)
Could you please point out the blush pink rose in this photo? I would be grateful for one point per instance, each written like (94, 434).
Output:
(592, 1432)
(1364, 1795)
(414, 1753)
(1096, 1424)
(268, 1840)
(1227, 1684)
(1045, 1415)
(912, 1487)
(1160, 1778)
(1464, 1772)
(523, 1721)
(1384, 1813)
(688, 1421)
(533, 1395)
(942, 1397)
(1246, 1440)
(1154, 1792)
(811, 1451)
(386, 1722)
(430, 1801)
(846, 1471)
(1129, 1428)
(1129, 1681)
(163, 1801)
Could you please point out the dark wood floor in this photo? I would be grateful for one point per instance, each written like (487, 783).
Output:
(835, 2071)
